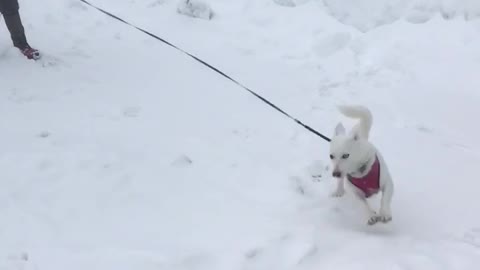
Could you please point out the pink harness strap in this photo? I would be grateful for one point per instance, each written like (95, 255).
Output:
(370, 183)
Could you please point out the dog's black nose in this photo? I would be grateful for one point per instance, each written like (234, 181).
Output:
(337, 174)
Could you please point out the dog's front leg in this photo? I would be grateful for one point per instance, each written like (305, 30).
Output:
(372, 217)
(385, 214)
(340, 191)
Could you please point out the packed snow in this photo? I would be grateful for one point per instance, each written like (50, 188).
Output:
(119, 152)
(195, 9)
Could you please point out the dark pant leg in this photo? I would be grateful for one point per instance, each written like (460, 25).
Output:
(9, 10)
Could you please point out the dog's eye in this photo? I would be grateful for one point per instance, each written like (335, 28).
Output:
(332, 157)
(345, 156)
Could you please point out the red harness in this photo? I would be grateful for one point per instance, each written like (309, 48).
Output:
(370, 183)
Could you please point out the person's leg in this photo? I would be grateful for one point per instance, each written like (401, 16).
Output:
(17, 32)
(9, 9)
(10, 12)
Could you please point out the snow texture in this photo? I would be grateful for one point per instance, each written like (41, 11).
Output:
(195, 9)
(368, 14)
(118, 152)
(287, 3)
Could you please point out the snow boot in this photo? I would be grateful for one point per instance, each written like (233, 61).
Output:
(30, 52)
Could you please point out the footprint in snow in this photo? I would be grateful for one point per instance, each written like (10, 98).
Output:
(473, 237)
(44, 134)
(131, 111)
(73, 4)
(246, 51)
(295, 250)
(298, 185)
(156, 3)
(331, 44)
(44, 165)
(195, 9)
(424, 129)
(78, 51)
(182, 161)
(326, 89)
(50, 61)
(285, 3)
(419, 16)
(253, 253)
(118, 36)
(318, 170)
(20, 96)
(20, 261)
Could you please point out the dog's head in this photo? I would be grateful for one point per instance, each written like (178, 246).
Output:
(346, 152)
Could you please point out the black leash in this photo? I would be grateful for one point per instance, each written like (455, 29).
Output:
(212, 68)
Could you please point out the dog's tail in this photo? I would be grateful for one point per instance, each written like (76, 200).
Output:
(363, 114)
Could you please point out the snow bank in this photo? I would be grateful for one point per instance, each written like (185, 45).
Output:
(367, 14)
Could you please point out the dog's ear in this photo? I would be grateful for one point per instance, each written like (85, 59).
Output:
(339, 129)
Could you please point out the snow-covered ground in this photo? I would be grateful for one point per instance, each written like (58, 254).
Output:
(118, 152)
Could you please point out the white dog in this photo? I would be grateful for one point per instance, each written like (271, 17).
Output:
(357, 160)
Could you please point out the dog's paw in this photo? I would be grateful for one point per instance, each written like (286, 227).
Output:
(379, 218)
(385, 218)
(373, 220)
(338, 193)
